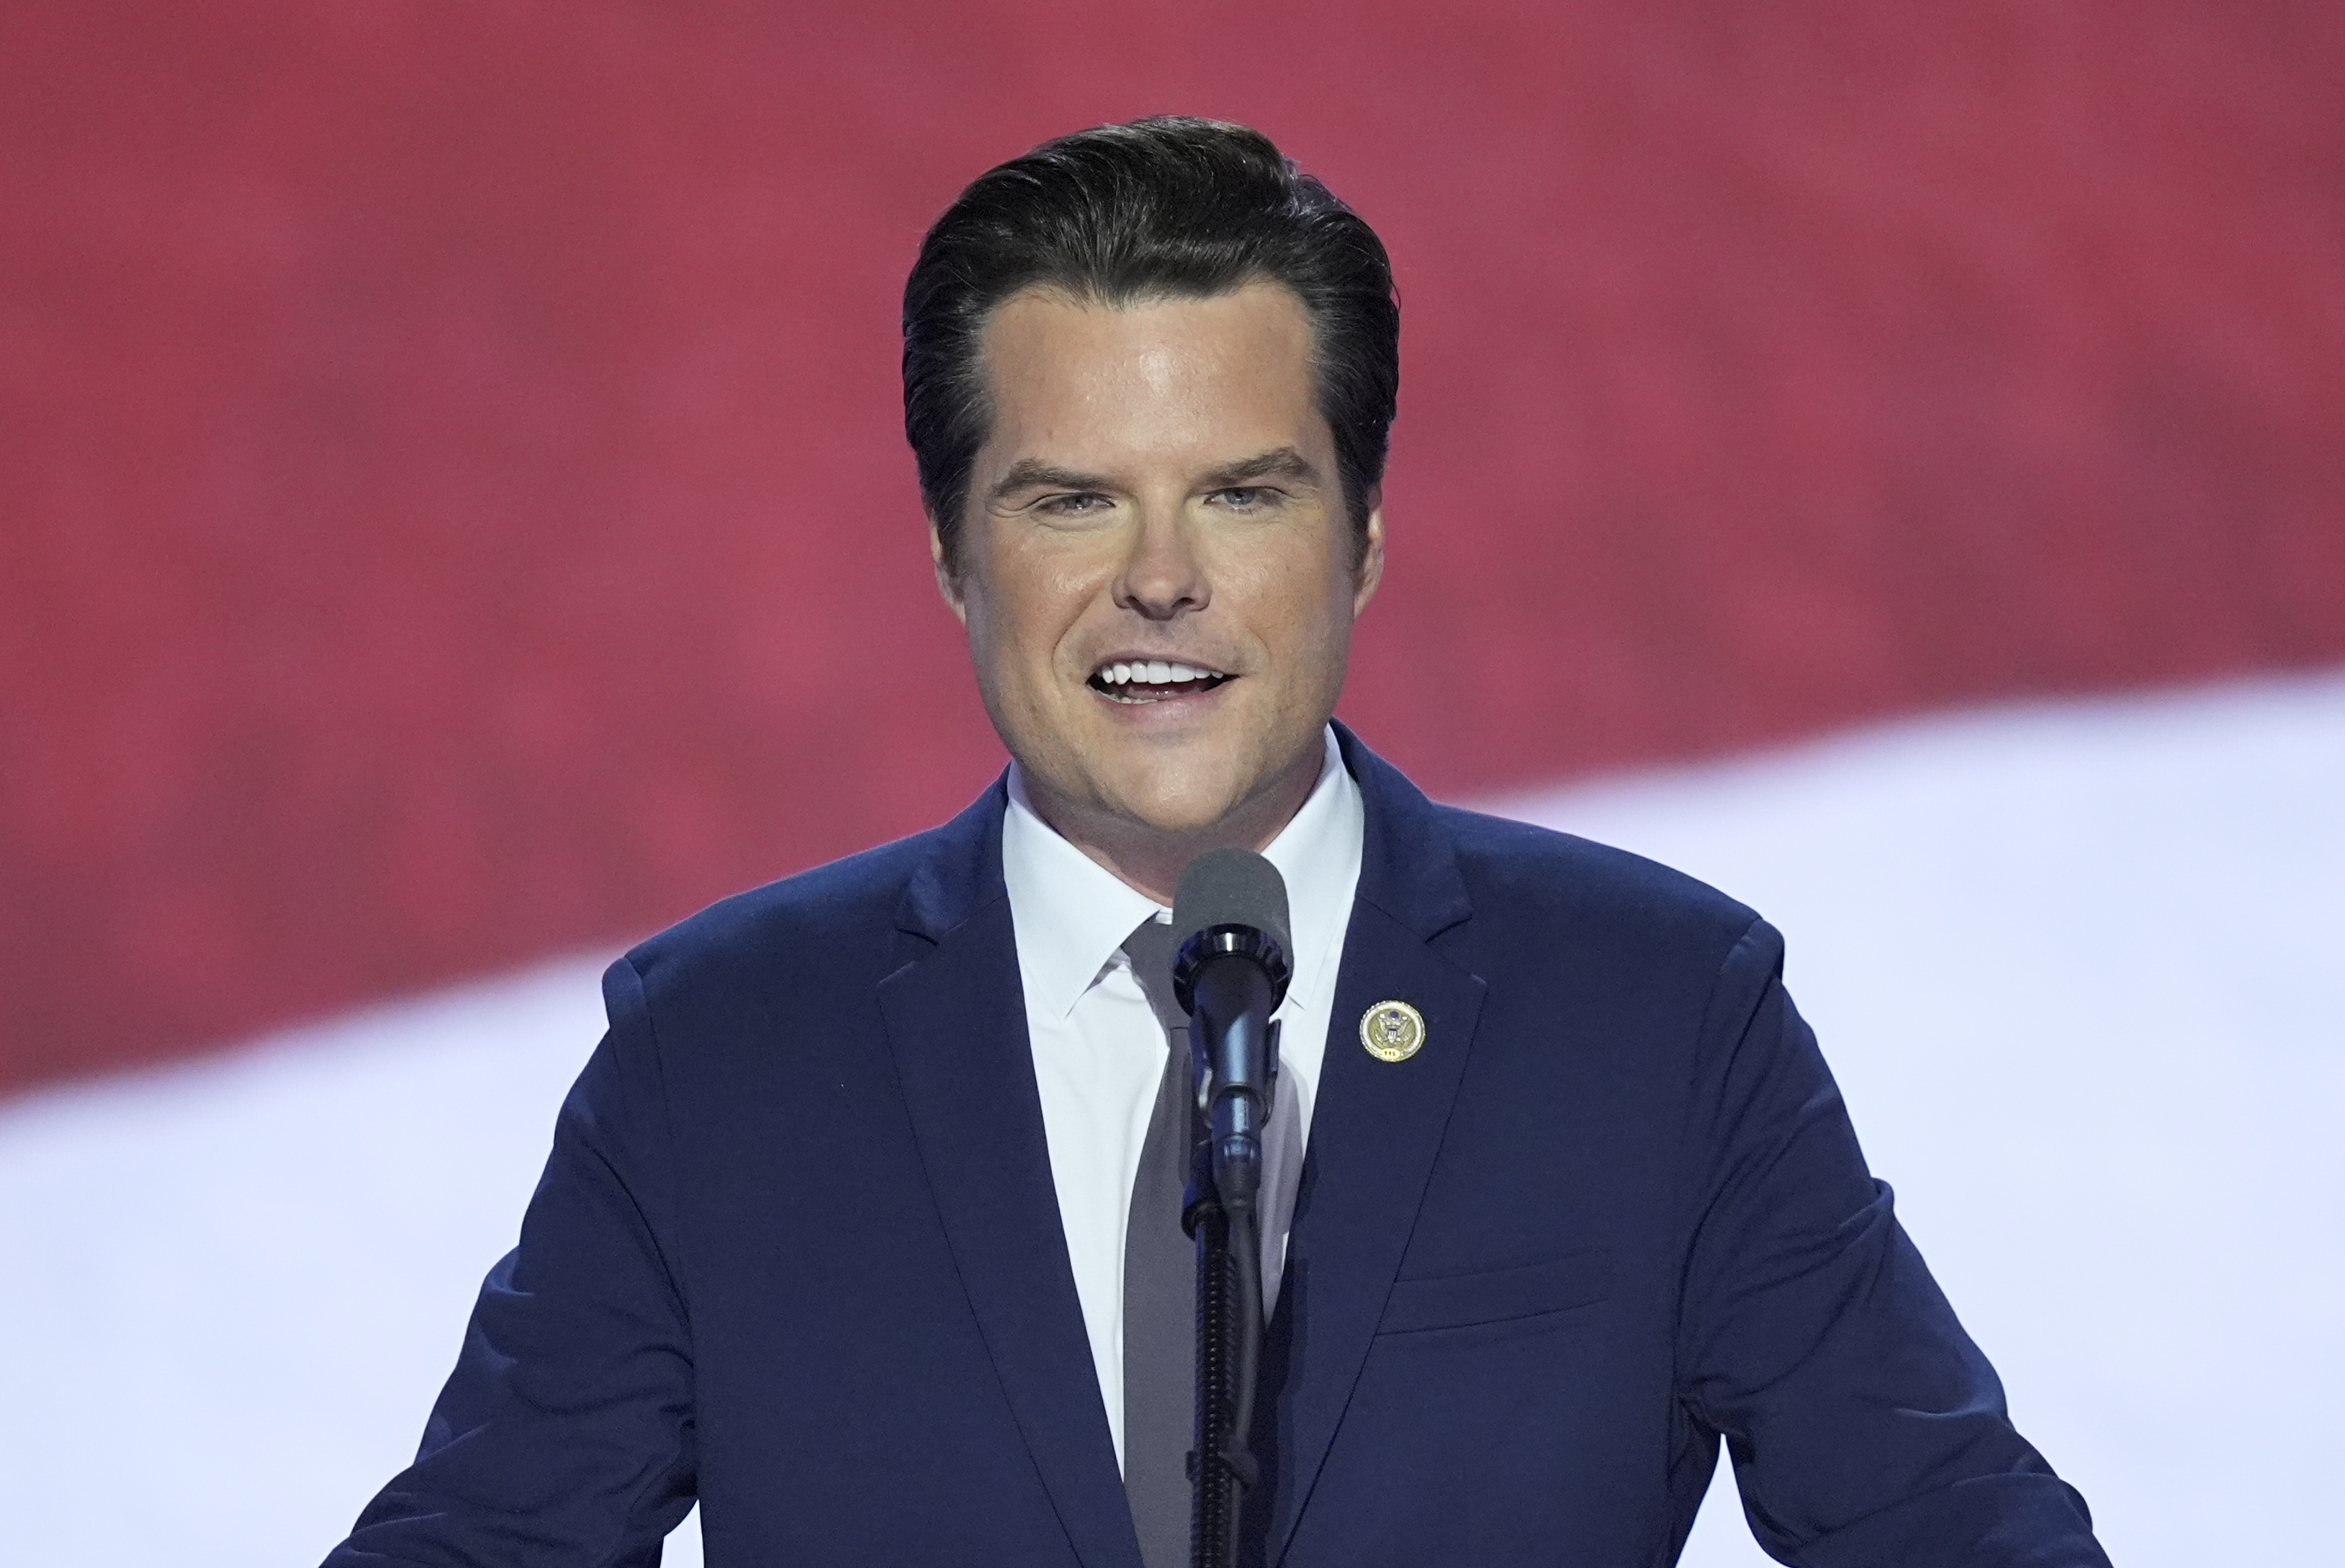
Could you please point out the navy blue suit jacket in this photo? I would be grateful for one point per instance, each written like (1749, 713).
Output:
(797, 1254)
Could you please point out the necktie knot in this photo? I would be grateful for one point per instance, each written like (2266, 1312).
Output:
(1149, 950)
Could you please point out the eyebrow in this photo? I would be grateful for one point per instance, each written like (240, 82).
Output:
(1279, 462)
(1032, 473)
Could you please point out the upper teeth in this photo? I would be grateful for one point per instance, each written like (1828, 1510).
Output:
(1155, 672)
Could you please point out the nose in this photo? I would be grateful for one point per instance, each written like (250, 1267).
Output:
(1161, 576)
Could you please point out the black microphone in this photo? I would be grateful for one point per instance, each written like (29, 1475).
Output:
(1230, 965)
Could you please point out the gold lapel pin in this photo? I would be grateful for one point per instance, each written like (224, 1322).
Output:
(1392, 1031)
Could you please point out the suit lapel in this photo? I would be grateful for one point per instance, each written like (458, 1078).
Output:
(956, 1021)
(1376, 1130)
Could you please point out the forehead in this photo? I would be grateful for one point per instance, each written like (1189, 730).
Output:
(1163, 370)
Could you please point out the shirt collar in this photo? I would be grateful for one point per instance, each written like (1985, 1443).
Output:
(1318, 853)
(1071, 913)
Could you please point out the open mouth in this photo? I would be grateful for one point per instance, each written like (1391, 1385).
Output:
(1152, 681)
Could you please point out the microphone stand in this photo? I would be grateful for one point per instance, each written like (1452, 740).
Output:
(1231, 994)
(1229, 1345)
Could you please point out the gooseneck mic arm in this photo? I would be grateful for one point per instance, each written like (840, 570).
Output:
(1230, 973)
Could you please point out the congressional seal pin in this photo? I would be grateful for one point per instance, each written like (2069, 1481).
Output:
(1392, 1031)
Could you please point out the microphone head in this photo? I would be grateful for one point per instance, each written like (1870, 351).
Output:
(1230, 890)
(1231, 887)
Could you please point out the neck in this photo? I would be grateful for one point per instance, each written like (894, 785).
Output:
(1149, 858)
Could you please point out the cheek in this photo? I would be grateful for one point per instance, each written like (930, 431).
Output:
(1307, 616)
(1020, 618)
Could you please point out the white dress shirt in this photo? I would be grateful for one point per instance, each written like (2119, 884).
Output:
(1099, 1051)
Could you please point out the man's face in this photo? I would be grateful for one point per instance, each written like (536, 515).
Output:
(1158, 498)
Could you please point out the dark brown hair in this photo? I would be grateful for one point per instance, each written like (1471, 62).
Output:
(1163, 207)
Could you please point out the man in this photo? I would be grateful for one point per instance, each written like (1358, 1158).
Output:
(857, 1227)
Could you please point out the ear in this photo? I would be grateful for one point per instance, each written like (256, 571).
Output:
(948, 583)
(1371, 569)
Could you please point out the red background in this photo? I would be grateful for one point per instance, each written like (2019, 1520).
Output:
(455, 506)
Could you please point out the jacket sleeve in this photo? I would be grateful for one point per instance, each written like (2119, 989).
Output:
(565, 1436)
(1863, 1424)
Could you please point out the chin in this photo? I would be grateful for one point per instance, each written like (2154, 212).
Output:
(1181, 814)
(1178, 805)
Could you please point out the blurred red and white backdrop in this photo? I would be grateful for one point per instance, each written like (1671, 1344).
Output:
(453, 513)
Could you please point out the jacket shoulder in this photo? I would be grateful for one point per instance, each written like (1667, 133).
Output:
(832, 919)
(1541, 878)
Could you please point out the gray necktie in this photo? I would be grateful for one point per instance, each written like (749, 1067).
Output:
(1160, 1283)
